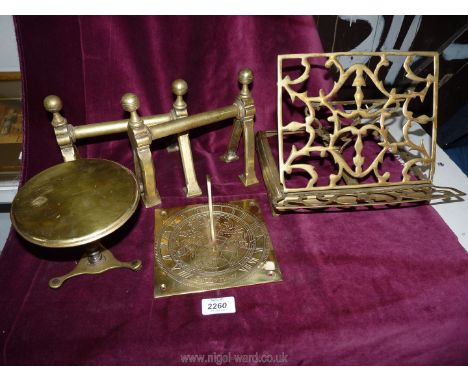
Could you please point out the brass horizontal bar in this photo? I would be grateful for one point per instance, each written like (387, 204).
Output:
(353, 102)
(197, 120)
(114, 127)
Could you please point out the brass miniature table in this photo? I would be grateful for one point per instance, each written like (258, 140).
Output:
(77, 203)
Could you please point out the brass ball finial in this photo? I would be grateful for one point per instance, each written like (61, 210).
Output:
(53, 103)
(179, 87)
(130, 102)
(245, 76)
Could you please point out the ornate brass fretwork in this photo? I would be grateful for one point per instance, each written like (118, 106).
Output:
(332, 126)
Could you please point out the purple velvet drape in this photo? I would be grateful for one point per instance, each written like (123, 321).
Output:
(367, 287)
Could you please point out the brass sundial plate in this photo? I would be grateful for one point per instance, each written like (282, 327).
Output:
(188, 261)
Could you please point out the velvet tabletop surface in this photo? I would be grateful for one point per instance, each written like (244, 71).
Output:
(371, 287)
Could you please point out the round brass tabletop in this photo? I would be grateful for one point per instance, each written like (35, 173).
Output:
(75, 203)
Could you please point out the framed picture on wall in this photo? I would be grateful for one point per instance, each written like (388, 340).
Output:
(11, 125)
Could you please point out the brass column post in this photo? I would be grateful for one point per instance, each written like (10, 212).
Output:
(62, 129)
(244, 124)
(179, 110)
(140, 139)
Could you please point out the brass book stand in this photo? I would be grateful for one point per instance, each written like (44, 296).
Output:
(350, 137)
(143, 130)
(77, 203)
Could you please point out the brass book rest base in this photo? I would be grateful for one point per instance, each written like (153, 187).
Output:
(345, 197)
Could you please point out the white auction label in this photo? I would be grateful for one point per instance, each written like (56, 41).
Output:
(220, 305)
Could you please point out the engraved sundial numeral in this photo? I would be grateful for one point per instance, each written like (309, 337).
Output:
(180, 270)
(185, 273)
(166, 257)
(249, 265)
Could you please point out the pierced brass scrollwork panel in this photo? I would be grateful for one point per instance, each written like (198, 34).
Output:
(334, 143)
(352, 123)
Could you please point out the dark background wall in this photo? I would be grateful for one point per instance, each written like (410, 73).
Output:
(446, 34)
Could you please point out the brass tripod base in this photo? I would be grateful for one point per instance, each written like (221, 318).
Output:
(96, 261)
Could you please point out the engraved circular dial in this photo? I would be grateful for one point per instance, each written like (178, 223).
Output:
(189, 256)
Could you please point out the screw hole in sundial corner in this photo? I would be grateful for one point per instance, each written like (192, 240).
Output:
(253, 207)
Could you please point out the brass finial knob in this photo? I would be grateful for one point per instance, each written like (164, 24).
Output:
(130, 102)
(179, 87)
(245, 76)
(53, 103)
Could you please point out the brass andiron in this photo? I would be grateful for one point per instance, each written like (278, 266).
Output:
(143, 130)
(141, 135)
(332, 126)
